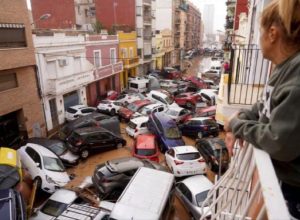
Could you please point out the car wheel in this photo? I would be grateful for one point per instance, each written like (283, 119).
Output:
(119, 145)
(84, 154)
(200, 135)
(189, 105)
(38, 181)
(113, 112)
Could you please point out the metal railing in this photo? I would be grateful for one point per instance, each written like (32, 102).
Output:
(248, 190)
(248, 74)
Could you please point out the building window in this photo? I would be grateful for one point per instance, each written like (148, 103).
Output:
(77, 64)
(130, 52)
(97, 58)
(51, 69)
(124, 53)
(12, 35)
(113, 59)
(8, 80)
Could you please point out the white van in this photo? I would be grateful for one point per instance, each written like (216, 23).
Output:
(138, 84)
(148, 195)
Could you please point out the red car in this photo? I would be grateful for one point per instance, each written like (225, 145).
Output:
(145, 147)
(188, 99)
(126, 113)
(112, 95)
(206, 112)
(171, 73)
(198, 82)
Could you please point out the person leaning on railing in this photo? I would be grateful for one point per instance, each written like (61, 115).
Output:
(273, 123)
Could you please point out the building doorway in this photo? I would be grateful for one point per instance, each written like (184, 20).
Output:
(53, 112)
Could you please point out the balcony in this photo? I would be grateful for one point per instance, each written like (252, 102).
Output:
(147, 20)
(130, 62)
(147, 57)
(147, 2)
(248, 190)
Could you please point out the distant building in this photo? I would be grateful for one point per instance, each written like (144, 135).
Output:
(21, 111)
(208, 18)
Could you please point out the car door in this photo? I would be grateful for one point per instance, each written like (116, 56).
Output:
(32, 162)
(185, 196)
(105, 141)
(186, 127)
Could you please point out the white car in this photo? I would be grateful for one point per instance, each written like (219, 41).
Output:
(55, 205)
(109, 106)
(44, 166)
(209, 95)
(192, 192)
(162, 98)
(129, 98)
(76, 111)
(149, 109)
(179, 114)
(137, 126)
(185, 161)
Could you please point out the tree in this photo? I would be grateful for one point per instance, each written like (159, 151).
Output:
(97, 27)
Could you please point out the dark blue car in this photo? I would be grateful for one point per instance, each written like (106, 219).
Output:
(200, 127)
(12, 206)
(165, 130)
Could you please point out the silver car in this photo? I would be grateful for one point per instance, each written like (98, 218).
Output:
(192, 192)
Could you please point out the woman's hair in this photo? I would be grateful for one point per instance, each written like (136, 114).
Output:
(286, 15)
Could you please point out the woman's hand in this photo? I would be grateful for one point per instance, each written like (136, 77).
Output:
(226, 123)
(230, 141)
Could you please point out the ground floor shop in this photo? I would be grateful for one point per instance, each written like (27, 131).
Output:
(130, 72)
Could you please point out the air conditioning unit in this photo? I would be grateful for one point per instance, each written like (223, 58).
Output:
(62, 62)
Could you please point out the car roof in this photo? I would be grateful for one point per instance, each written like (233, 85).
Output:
(64, 196)
(176, 108)
(154, 105)
(145, 141)
(124, 164)
(90, 130)
(159, 93)
(77, 107)
(165, 119)
(200, 118)
(141, 102)
(83, 119)
(198, 183)
(185, 149)
(42, 150)
(140, 119)
(44, 141)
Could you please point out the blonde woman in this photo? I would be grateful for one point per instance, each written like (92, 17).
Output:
(273, 123)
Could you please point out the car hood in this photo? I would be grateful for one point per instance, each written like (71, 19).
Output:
(40, 215)
(125, 111)
(174, 142)
(69, 156)
(174, 105)
(61, 178)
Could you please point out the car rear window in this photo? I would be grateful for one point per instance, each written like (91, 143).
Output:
(132, 125)
(209, 122)
(172, 133)
(54, 208)
(145, 152)
(189, 156)
(71, 110)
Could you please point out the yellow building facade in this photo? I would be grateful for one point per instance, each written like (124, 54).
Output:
(158, 55)
(128, 54)
(167, 47)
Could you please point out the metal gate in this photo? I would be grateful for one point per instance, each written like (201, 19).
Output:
(71, 99)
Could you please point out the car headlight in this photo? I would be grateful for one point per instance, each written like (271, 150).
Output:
(49, 179)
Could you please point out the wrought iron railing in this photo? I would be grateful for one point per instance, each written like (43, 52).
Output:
(248, 74)
(248, 190)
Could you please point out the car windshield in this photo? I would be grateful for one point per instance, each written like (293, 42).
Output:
(200, 197)
(189, 156)
(53, 164)
(59, 148)
(172, 133)
(132, 107)
(54, 208)
(131, 125)
(169, 100)
(145, 152)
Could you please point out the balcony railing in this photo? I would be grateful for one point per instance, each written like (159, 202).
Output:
(248, 75)
(131, 61)
(146, 2)
(248, 190)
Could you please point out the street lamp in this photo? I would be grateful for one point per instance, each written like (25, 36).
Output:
(42, 18)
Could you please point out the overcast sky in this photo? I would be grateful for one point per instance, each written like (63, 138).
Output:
(220, 11)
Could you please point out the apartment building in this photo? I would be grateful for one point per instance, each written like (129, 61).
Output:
(21, 111)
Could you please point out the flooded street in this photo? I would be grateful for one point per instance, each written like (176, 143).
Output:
(86, 168)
